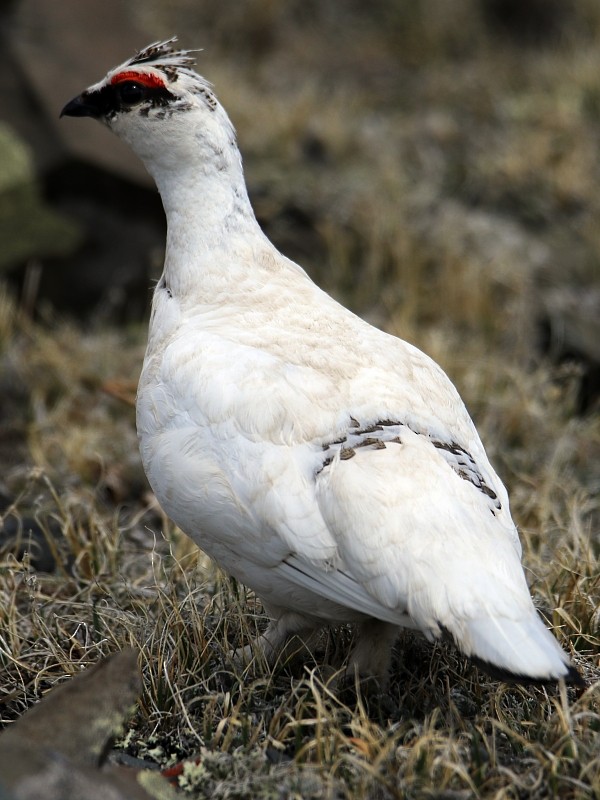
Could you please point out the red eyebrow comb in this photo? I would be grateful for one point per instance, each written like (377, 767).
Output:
(148, 79)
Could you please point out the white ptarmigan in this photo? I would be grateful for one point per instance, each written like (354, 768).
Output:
(327, 465)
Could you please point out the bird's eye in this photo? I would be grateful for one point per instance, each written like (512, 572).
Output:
(132, 92)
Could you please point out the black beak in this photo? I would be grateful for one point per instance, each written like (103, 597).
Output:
(85, 105)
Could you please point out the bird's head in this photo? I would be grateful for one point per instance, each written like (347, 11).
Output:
(160, 107)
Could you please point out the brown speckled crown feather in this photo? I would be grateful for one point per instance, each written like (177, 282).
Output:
(163, 54)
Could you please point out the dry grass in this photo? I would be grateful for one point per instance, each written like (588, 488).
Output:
(441, 191)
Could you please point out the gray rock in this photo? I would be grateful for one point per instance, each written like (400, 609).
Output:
(56, 749)
(88, 177)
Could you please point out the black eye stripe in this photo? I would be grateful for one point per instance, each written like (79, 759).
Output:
(124, 96)
(133, 92)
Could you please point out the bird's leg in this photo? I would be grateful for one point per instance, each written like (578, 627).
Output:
(372, 654)
(287, 633)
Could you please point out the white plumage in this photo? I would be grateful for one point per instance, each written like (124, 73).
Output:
(329, 466)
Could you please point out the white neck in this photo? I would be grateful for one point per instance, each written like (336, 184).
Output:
(198, 172)
(208, 215)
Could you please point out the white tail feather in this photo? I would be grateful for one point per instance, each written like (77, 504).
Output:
(523, 648)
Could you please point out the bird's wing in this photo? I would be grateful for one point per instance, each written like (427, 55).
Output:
(427, 539)
(419, 534)
(337, 585)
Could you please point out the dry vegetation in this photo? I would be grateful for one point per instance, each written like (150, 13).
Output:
(439, 179)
